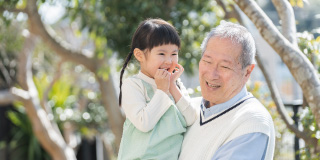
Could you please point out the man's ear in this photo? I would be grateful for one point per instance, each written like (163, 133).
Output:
(249, 69)
(138, 54)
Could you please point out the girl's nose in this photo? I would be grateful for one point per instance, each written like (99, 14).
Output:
(168, 61)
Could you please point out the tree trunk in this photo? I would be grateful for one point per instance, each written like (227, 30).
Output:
(115, 116)
(287, 18)
(270, 82)
(49, 138)
(298, 64)
(109, 97)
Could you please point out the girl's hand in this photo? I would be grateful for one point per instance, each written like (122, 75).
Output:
(178, 70)
(173, 89)
(162, 79)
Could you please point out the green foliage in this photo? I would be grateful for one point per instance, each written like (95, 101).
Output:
(91, 121)
(7, 17)
(310, 46)
(256, 88)
(305, 154)
(10, 3)
(62, 93)
(21, 4)
(23, 143)
(116, 21)
(298, 3)
(10, 44)
(70, 103)
(104, 72)
(309, 126)
(110, 25)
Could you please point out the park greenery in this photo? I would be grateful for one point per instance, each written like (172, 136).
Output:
(56, 78)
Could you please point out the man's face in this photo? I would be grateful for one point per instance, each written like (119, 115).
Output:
(220, 72)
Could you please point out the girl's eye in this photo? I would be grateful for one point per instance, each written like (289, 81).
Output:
(161, 54)
(174, 54)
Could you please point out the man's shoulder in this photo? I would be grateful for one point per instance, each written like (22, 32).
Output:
(254, 109)
(255, 105)
(252, 117)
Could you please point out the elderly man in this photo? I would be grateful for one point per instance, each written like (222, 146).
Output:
(232, 124)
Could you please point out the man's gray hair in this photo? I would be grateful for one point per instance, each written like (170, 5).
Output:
(238, 35)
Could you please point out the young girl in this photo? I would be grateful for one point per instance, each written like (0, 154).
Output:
(156, 111)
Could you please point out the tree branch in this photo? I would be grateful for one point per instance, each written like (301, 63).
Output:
(275, 93)
(69, 135)
(116, 119)
(280, 107)
(287, 18)
(5, 73)
(298, 64)
(171, 3)
(6, 97)
(24, 59)
(44, 101)
(230, 14)
(108, 92)
(14, 94)
(49, 138)
(15, 10)
(61, 47)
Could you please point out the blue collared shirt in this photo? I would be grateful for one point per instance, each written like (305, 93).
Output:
(243, 146)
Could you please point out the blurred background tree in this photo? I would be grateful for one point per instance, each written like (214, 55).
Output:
(79, 99)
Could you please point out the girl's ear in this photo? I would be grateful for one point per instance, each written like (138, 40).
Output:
(138, 54)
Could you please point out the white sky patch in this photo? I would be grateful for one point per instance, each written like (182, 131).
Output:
(51, 13)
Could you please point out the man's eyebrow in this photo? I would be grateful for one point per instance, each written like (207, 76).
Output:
(206, 56)
(227, 61)
(209, 57)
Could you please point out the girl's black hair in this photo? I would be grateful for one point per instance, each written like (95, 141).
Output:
(149, 34)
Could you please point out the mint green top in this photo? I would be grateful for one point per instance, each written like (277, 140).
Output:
(162, 142)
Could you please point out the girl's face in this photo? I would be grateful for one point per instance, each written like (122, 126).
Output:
(160, 57)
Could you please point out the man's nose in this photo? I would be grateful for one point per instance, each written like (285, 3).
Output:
(214, 73)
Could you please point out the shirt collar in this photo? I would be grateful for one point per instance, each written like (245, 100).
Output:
(147, 79)
(207, 112)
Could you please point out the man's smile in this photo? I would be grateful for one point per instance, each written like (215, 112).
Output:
(212, 85)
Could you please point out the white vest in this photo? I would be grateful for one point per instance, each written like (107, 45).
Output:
(206, 135)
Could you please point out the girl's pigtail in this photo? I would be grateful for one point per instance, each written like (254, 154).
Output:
(122, 72)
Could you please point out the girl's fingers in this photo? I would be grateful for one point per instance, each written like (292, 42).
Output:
(177, 73)
(181, 68)
(157, 73)
(162, 73)
(174, 66)
(166, 74)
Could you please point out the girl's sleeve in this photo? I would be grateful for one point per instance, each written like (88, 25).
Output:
(188, 109)
(143, 115)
